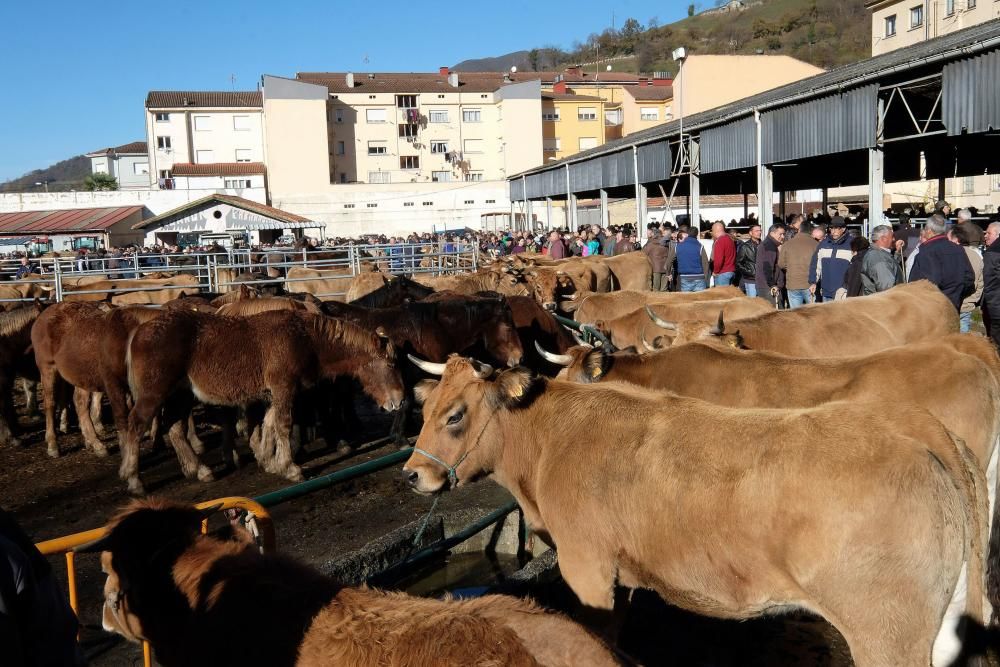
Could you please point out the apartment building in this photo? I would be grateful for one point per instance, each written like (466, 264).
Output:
(648, 103)
(392, 128)
(202, 128)
(572, 122)
(129, 164)
(899, 23)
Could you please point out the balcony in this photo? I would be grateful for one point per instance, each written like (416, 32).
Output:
(166, 183)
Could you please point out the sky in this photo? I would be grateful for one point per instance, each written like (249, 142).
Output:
(76, 74)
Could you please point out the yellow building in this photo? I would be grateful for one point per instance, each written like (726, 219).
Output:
(571, 123)
(647, 105)
(899, 23)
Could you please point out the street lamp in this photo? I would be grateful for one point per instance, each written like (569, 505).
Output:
(45, 183)
(680, 55)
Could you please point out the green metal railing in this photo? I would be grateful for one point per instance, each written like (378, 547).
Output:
(587, 332)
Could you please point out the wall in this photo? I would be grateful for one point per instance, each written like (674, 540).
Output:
(222, 138)
(935, 24)
(297, 147)
(706, 82)
(569, 128)
(219, 183)
(156, 201)
(125, 172)
(521, 126)
(632, 111)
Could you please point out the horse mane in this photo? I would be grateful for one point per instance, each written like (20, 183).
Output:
(14, 321)
(352, 336)
(248, 307)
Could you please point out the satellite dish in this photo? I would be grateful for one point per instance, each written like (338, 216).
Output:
(609, 68)
(513, 69)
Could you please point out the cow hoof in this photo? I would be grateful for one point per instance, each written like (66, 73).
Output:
(100, 451)
(294, 473)
(205, 474)
(135, 487)
(53, 452)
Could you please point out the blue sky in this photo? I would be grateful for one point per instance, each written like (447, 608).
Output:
(76, 74)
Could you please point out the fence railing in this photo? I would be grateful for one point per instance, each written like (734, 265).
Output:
(58, 277)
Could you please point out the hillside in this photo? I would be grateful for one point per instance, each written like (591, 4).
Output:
(62, 176)
(826, 33)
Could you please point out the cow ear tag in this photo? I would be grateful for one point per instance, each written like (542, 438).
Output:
(595, 372)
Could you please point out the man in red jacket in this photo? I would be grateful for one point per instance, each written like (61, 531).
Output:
(723, 256)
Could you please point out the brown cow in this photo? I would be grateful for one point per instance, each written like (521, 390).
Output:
(15, 359)
(236, 361)
(14, 295)
(604, 280)
(116, 290)
(548, 284)
(484, 280)
(592, 307)
(833, 509)
(904, 314)
(190, 596)
(627, 330)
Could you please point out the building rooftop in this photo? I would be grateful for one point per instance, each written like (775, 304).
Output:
(232, 200)
(407, 82)
(571, 97)
(68, 220)
(170, 99)
(218, 169)
(650, 92)
(133, 148)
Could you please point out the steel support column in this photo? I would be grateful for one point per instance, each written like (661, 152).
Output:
(826, 201)
(605, 219)
(941, 188)
(513, 216)
(781, 204)
(572, 215)
(548, 213)
(529, 222)
(694, 184)
(642, 207)
(638, 187)
(876, 188)
(765, 195)
(746, 205)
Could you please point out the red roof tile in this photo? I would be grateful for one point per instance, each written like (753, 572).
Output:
(218, 169)
(69, 220)
(133, 148)
(169, 99)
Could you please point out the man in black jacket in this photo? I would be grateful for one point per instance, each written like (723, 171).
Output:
(991, 283)
(944, 263)
(746, 261)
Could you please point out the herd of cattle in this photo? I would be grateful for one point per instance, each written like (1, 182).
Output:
(839, 458)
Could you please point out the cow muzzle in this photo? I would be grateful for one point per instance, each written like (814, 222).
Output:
(549, 306)
(423, 481)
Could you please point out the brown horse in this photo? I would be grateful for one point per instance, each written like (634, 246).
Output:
(238, 361)
(15, 359)
(248, 307)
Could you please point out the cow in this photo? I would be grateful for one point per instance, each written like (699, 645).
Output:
(236, 361)
(151, 290)
(833, 509)
(547, 284)
(14, 295)
(592, 307)
(483, 280)
(627, 330)
(604, 280)
(189, 595)
(327, 284)
(863, 325)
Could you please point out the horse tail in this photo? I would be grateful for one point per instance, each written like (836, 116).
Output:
(129, 369)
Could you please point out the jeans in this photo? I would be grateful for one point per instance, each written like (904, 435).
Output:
(797, 297)
(750, 289)
(692, 284)
(722, 279)
(965, 322)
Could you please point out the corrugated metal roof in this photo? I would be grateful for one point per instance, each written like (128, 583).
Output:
(728, 147)
(69, 220)
(170, 99)
(971, 94)
(953, 46)
(238, 202)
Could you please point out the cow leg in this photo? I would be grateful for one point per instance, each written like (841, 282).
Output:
(50, 386)
(139, 421)
(96, 418)
(156, 434)
(400, 421)
(81, 402)
(118, 399)
(8, 415)
(192, 435)
(591, 577)
(30, 389)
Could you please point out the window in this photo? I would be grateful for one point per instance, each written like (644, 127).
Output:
(408, 130)
(101, 168)
(165, 173)
(140, 168)
(550, 114)
(440, 97)
(243, 154)
(971, 4)
(204, 157)
(996, 182)
(483, 97)
(378, 177)
(339, 113)
(588, 142)
(234, 183)
(439, 147)
(427, 203)
(472, 115)
(163, 143)
(586, 113)
(409, 162)
(377, 148)
(440, 176)
(473, 145)
(470, 201)
(406, 101)
(375, 115)
(551, 144)
(371, 97)
(474, 176)
(916, 16)
(613, 117)
(890, 25)
(202, 123)
(241, 123)
(348, 205)
(407, 203)
(649, 113)
(491, 201)
(440, 116)
(372, 205)
(341, 149)
(949, 7)
(162, 118)
(968, 185)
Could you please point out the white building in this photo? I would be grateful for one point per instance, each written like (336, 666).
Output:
(129, 164)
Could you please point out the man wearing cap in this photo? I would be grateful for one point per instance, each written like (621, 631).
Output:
(943, 263)
(942, 208)
(830, 261)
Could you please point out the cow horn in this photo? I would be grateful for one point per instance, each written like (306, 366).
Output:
(481, 370)
(646, 344)
(659, 321)
(719, 328)
(561, 359)
(427, 366)
(100, 544)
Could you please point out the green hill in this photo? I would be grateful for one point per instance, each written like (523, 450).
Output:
(62, 177)
(826, 33)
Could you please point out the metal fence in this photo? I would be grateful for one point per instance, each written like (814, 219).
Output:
(56, 277)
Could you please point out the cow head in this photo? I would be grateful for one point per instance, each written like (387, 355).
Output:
(379, 376)
(678, 333)
(548, 285)
(459, 440)
(499, 333)
(138, 554)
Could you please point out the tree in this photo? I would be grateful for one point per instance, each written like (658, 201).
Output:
(533, 59)
(100, 182)
(653, 23)
(631, 28)
(691, 10)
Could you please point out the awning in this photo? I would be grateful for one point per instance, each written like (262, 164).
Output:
(20, 240)
(237, 225)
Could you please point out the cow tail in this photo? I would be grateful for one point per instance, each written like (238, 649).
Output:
(132, 384)
(973, 482)
(993, 552)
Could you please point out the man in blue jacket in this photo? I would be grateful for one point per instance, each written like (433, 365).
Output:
(944, 263)
(692, 261)
(830, 260)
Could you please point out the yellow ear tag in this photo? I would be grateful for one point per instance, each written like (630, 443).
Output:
(596, 372)
(517, 391)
